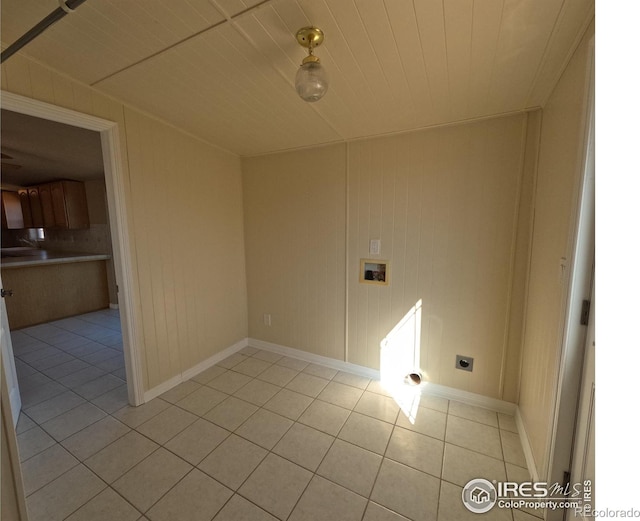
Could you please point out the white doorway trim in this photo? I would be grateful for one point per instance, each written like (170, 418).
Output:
(8, 375)
(115, 185)
(581, 281)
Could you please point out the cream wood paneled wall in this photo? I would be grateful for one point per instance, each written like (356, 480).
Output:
(558, 179)
(187, 221)
(445, 204)
(295, 243)
(184, 204)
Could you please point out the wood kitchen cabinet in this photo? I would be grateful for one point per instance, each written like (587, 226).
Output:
(11, 211)
(69, 203)
(25, 203)
(45, 292)
(46, 204)
(59, 204)
(37, 218)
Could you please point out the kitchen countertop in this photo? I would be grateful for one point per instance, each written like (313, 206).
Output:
(23, 257)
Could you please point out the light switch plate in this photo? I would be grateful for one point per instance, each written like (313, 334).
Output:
(374, 247)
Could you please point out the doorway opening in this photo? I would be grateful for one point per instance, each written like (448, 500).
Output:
(113, 192)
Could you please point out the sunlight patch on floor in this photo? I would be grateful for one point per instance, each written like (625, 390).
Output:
(399, 357)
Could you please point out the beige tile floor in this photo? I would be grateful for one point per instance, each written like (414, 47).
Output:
(258, 437)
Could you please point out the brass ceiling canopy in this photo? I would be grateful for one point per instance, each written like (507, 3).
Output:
(310, 37)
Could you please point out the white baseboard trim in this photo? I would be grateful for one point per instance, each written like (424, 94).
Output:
(526, 447)
(333, 363)
(426, 388)
(114, 306)
(213, 360)
(470, 398)
(194, 371)
(162, 388)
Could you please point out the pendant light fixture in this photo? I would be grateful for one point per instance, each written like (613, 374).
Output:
(311, 79)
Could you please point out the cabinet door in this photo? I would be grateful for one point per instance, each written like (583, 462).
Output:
(47, 206)
(37, 218)
(26, 208)
(59, 206)
(11, 211)
(75, 201)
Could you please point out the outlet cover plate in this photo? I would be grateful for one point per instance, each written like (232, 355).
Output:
(465, 363)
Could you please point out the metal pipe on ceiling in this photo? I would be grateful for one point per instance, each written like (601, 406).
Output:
(65, 8)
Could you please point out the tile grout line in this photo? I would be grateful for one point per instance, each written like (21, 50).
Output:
(375, 480)
(269, 451)
(444, 447)
(107, 487)
(335, 438)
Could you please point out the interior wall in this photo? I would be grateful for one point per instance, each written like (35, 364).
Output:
(445, 205)
(188, 227)
(184, 204)
(556, 201)
(295, 245)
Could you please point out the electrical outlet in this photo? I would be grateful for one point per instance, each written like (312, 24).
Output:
(267, 319)
(464, 362)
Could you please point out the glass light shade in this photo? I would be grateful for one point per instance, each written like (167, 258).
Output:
(312, 81)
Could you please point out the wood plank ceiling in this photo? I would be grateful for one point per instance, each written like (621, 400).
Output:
(224, 69)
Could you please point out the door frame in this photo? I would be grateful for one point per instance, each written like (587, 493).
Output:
(12, 484)
(116, 201)
(581, 282)
(583, 453)
(9, 374)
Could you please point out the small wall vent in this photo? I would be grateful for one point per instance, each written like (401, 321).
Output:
(414, 378)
